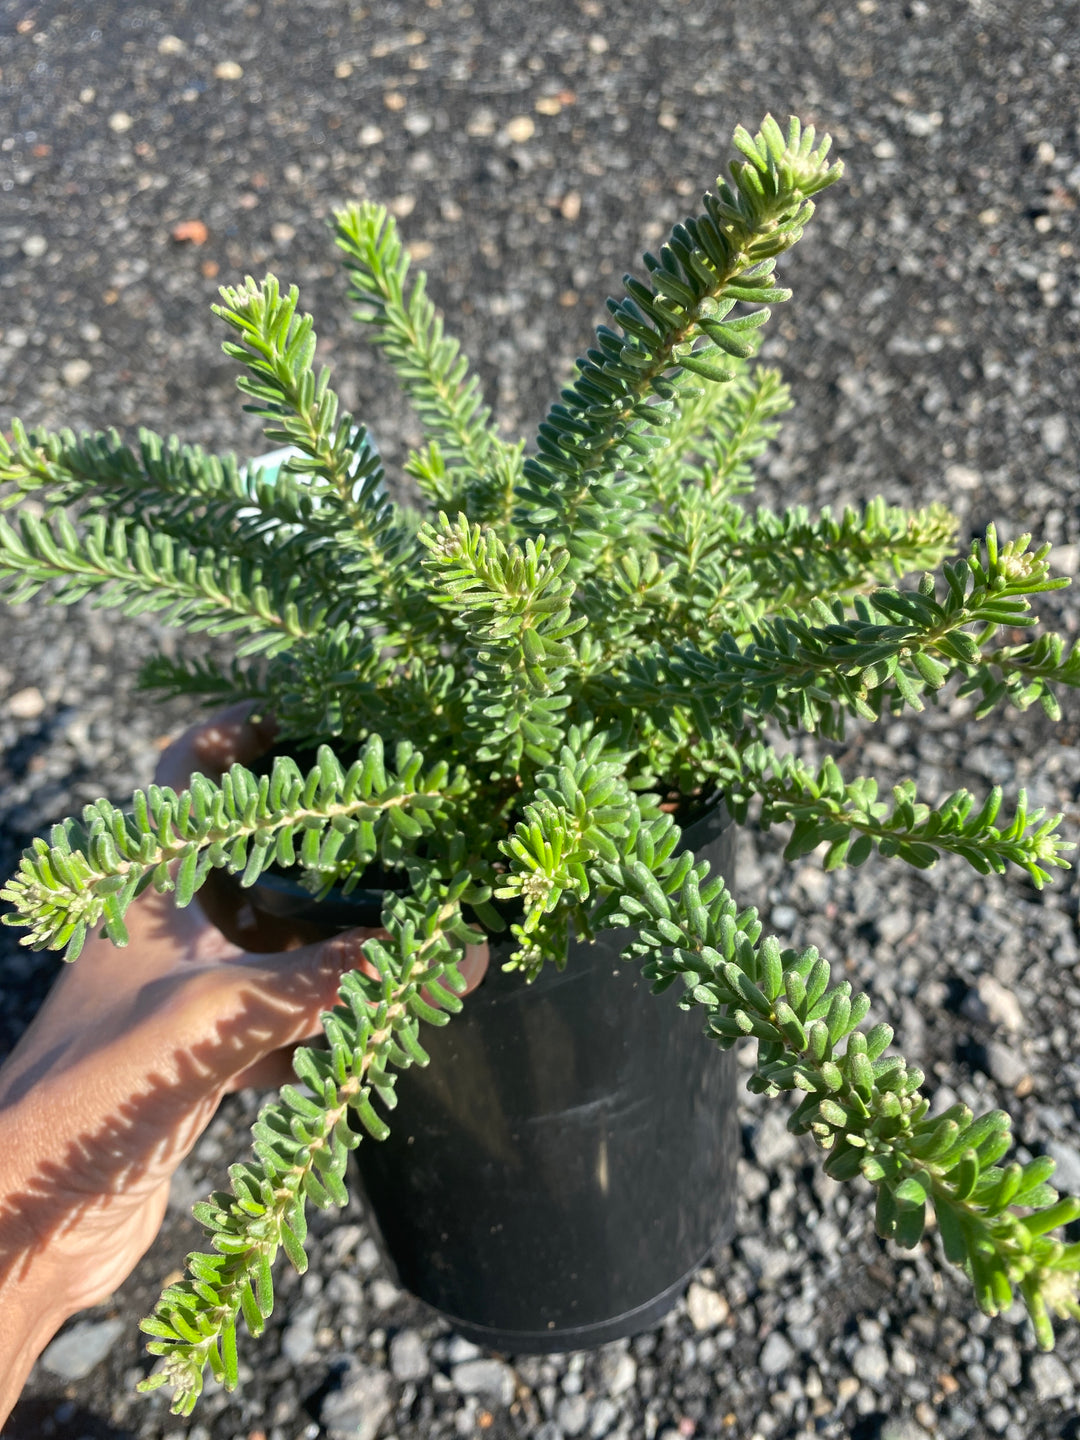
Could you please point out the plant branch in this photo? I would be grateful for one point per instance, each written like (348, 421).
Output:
(92, 872)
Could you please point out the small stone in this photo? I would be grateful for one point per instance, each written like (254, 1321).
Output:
(34, 246)
(920, 124)
(190, 232)
(358, 1408)
(402, 206)
(481, 124)
(26, 704)
(370, 135)
(298, 1338)
(1066, 1158)
(572, 1414)
(784, 918)
(408, 1357)
(520, 129)
(903, 1361)
(1002, 1006)
(120, 122)
(75, 372)
(1065, 559)
(773, 1141)
(776, 1354)
(493, 1379)
(75, 1353)
(1003, 1063)
(1050, 1377)
(618, 1373)
(1055, 434)
(707, 1309)
(459, 1349)
(962, 477)
(228, 70)
(171, 45)
(893, 925)
(753, 1183)
(384, 1294)
(344, 1289)
(419, 123)
(870, 1363)
(282, 233)
(367, 1255)
(605, 1413)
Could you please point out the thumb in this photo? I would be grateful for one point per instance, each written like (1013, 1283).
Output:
(295, 987)
(264, 1005)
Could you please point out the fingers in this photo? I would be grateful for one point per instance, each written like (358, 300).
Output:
(295, 988)
(213, 745)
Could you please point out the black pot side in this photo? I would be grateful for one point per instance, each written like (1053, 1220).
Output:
(567, 1160)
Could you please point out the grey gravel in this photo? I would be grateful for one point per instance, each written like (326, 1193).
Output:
(356, 1410)
(1050, 1377)
(572, 1414)
(931, 346)
(602, 1418)
(1000, 1004)
(408, 1356)
(1066, 1158)
(870, 1363)
(618, 1372)
(82, 1347)
(773, 1141)
(298, 1337)
(1004, 1064)
(776, 1354)
(705, 1307)
(493, 1379)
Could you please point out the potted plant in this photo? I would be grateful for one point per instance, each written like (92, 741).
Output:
(532, 705)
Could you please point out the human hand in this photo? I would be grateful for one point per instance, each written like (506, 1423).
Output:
(123, 1068)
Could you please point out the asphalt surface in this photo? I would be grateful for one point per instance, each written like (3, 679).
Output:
(149, 154)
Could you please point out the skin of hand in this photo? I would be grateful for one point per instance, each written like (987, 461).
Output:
(123, 1068)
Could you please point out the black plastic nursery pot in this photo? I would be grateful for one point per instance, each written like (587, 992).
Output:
(567, 1160)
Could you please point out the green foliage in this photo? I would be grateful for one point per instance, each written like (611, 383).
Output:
(896, 646)
(569, 640)
(465, 464)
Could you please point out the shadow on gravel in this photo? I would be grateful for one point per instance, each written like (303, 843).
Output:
(60, 1420)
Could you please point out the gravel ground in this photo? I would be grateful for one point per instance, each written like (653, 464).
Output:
(531, 153)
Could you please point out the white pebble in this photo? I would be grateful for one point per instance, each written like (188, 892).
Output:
(26, 704)
(707, 1308)
(520, 129)
(76, 371)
